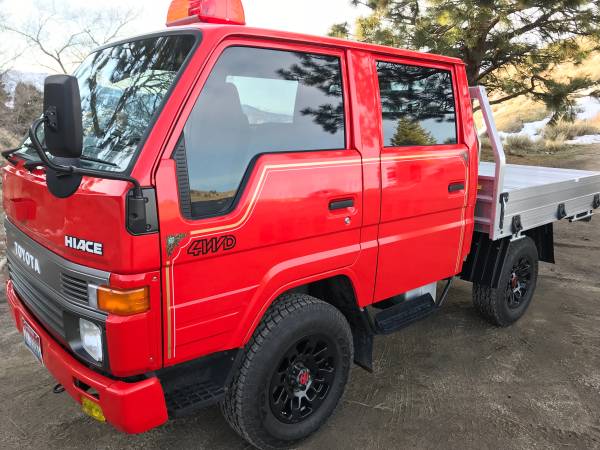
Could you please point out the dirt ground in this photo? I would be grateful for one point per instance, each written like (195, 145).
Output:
(452, 381)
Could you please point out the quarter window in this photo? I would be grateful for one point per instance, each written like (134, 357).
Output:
(417, 104)
(257, 101)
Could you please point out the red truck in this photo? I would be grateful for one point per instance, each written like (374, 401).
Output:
(220, 214)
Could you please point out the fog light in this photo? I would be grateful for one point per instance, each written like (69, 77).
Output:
(92, 409)
(91, 338)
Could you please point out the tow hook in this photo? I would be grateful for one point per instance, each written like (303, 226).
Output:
(58, 389)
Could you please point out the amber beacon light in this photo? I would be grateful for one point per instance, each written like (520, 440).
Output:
(182, 12)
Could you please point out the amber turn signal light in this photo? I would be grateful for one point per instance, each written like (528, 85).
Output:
(123, 302)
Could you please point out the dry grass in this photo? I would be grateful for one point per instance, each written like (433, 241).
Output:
(595, 121)
(564, 131)
(552, 147)
(521, 145)
(203, 196)
(587, 68)
(7, 140)
(511, 115)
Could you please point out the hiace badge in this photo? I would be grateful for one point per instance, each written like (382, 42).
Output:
(95, 248)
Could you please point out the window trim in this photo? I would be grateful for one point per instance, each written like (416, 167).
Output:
(423, 64)
(198, 88)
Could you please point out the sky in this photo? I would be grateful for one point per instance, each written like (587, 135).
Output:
(304, 16)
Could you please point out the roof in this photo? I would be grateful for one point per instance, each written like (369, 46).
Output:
(245, 31)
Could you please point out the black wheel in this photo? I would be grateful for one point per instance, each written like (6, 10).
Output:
(292, 375)
(506, 304)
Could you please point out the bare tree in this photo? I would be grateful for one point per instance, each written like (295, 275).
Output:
(8, 55)
(65, 36)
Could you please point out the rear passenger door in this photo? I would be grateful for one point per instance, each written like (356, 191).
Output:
(424, 167)
(268, 192)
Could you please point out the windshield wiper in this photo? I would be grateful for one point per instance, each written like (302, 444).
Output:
(7, 154)
(31, 164)
(101, 161)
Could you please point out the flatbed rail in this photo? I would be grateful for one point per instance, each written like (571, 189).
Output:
(512, 199)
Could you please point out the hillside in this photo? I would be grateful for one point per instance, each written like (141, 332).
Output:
(12, 78)
(523, 121)
(20, 104)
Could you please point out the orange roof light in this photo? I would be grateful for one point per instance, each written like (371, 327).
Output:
(182, 12)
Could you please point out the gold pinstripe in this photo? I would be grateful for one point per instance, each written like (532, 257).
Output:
(259, 187)
(168, 309)
(254, 199)
(274, 167)
(462, 216)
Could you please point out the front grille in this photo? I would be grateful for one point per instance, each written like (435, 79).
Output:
(74, 289)
(38, 300)
(53, 289)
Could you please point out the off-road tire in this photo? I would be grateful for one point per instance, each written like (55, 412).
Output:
(246, 406)
(491, 303)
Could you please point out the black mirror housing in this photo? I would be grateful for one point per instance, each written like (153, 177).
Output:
(63, 128)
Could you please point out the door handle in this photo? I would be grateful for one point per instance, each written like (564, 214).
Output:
(456, 187)
(335, 205)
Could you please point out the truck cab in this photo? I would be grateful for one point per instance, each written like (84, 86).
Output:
(299, 196)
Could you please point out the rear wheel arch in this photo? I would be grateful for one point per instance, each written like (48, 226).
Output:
(505, 304)
(485, 262)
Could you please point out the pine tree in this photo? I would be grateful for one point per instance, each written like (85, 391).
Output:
(409, 132)
(509, 46)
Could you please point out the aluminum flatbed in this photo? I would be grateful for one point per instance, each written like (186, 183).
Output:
(512, 199)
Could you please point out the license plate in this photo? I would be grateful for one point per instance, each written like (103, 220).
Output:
(32, 341)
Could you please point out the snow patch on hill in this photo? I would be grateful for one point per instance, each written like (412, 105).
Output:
(532, 130)
(589, 108)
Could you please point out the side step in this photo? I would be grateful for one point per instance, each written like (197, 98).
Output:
(403, 314)
(197, 384)
(187, 399)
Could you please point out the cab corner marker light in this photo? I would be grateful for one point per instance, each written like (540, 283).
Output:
(183, 12)
(92, 409)
(123, 302)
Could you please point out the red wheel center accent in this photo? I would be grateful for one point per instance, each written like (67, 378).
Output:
(304, 377)
(515, 281)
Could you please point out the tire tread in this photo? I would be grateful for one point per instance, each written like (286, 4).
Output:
(487, 299)
(232, 405)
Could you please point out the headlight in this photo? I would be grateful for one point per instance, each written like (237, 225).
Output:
(91, 338)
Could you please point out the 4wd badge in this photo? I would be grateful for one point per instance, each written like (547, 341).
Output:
(212, 245)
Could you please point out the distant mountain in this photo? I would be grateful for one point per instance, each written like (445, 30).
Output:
(258, 116)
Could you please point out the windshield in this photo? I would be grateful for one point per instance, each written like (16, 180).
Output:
(122, 88)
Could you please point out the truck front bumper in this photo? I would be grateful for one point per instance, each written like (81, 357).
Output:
(130, 407)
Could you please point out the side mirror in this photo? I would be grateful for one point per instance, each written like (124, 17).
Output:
(63, 129)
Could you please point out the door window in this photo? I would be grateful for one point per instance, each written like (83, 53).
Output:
(417, 105)
(256, 101)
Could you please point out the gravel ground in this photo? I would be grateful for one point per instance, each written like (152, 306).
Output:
(451, 381)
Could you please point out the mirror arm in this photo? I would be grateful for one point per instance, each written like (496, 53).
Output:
(137, 192)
